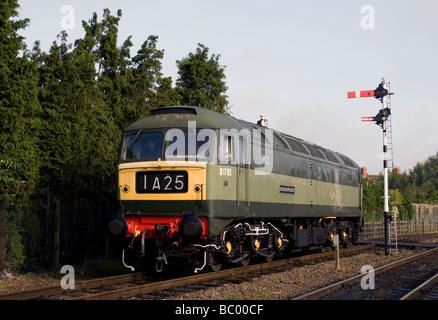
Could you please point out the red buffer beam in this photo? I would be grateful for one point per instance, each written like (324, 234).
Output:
(360, 94)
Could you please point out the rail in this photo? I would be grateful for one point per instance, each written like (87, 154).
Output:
(422, 287)
(332, 288)
(57, 290)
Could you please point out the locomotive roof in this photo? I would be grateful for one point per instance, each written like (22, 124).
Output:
(178, 117)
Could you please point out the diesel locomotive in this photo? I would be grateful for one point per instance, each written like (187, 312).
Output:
(203, 188)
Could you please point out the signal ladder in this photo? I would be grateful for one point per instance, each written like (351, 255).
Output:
(390, 165)
(393, 233)
(390, 149)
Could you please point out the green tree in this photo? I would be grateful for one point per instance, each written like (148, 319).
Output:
(201, 81)
(80, 136)
(131, 87)
(11, 247)
(80, 139)
(151, 90)
(423, 181)
(401, 193)
(165, 94)
(19, 137)
(372, 198)
(11, 172)
(19, 106)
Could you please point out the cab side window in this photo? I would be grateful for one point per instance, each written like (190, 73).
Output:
(226, 149)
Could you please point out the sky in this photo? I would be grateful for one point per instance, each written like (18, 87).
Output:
(293, 61)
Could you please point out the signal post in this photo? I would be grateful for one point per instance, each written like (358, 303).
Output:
(381, 93)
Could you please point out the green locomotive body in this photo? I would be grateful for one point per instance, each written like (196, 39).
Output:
(217, 189)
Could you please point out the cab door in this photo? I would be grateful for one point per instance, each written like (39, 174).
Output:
(242, 190)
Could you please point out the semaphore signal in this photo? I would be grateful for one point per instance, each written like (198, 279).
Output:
(378, 93)
(361, 94)
(382, 119)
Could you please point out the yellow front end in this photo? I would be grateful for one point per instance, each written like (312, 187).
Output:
(189, 186)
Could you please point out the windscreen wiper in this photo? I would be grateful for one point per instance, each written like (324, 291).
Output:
(135, 139)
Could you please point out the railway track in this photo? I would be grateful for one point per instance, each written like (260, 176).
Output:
(392, 281)
(428, 290)
(57, 291)
(212, 278)
(138, 284)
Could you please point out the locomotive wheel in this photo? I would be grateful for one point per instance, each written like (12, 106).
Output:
(269, 259)
(214, 265)
(245, 262)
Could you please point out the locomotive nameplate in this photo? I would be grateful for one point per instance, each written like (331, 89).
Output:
(287, 189)
(161, 182)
